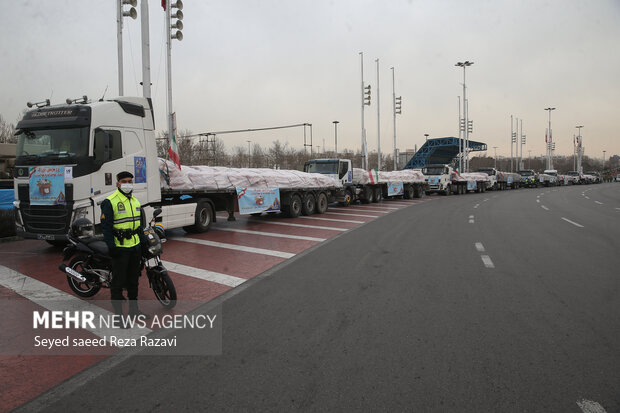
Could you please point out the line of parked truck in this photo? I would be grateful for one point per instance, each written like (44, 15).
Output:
(68, 156)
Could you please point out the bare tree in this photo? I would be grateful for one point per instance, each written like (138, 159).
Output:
(7, 131)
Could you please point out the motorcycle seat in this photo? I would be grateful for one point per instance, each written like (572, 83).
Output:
(99, 246)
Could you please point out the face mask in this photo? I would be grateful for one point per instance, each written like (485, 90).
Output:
(126, 188)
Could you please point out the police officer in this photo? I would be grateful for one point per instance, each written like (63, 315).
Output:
(121, 224)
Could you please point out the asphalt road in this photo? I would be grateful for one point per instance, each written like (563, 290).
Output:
(496, 302)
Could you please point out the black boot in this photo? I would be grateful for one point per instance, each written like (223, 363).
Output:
(135, 311)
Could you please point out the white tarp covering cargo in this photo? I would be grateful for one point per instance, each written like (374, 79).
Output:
(205, 178)
(474, 176)
(408, 176)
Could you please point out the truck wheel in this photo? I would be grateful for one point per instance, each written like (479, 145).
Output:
(409, 192)
(321, 203)
(448, 190)
(309, 205)
(294, 208)
(417, 191)
(377, 195)
(203, 218)
(348, 198)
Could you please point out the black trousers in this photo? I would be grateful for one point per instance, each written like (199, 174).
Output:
(125, 272)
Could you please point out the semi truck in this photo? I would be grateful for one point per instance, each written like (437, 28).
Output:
(445, 180)
(68, 156)
(499, 180)
(357, 184)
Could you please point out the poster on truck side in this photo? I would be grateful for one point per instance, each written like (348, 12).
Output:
(257, 200)
(395, 189)
(47, 185)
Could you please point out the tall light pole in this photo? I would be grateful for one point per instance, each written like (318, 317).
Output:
(336, 137)
(576, 146)
(146, 49)
(549, 142)
(120, 13)
(396, 110)
(178, 24)
(378, 122)
(512, 141)
(579, 149)
(365, 102)
(249, 159)
(461, 144)
(529, 159)
(604, 159)
(426, 136)
(521, 142)
(465, 112)
(495, 147)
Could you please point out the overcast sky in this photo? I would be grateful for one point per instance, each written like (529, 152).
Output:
(259, 63)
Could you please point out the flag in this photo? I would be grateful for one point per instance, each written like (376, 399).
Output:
(163, 4)
(173, 150)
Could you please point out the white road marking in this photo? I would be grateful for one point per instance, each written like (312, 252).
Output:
(370, 208)
(485, 200)
(479, 247)
(538, 196)
(600, 203)
(487, 261)
(588, 406)
(354, 209)
(334, 220)
(287, 224)
(206, 275)
(270, 234)
(618, 209)
(352, 215)
(538, 200)
(587, 197)
(471, 221)
(235, 247)
(476, 206)
(544, 207)
(572, 222)
(54, 299)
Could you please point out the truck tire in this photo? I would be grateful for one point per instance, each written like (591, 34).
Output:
(293, 209)
(203, 218)
(417, 191)
(377, 194)
(321, 203)
(448, 190)
(409, 192)
(368, 195)
(348, 198)
(309, 204)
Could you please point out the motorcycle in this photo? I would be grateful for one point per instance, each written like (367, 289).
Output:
(91, 266)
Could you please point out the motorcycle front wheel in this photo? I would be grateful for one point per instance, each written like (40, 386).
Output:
(83, 289)
(164, 290)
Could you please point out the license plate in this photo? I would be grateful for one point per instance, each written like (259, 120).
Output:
(46, 237)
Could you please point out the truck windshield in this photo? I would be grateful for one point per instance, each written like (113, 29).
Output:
(486, 171)
(51, 146)
(322, 167)
(526, 173)
(433, 170)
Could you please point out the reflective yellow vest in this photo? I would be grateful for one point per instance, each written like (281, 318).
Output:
(126, 217)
